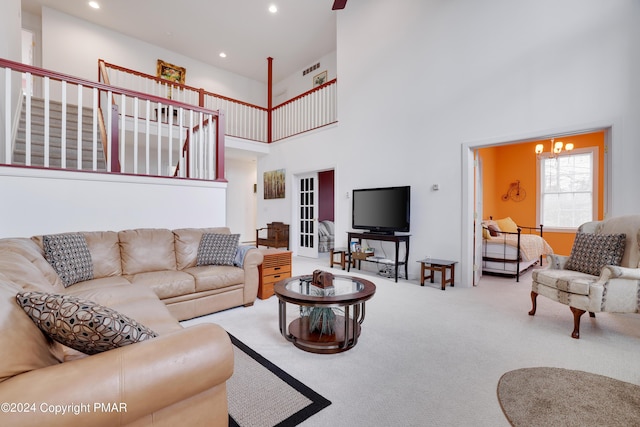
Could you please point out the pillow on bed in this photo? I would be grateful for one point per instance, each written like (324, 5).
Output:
(494, 230)
(507, 224)
(490, 229)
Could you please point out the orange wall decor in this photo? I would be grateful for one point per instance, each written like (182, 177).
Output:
(505, 164)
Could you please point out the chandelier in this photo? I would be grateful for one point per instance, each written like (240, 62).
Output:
(555, 150)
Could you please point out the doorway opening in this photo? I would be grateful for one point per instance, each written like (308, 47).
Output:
(314, 213)
(488, 166)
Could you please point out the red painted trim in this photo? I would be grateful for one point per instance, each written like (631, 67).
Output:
(302, 95)
(17, 66)
(269, 100)
(201, 91)
(220, 176)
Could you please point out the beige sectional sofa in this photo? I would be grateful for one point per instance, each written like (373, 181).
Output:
(151, 276)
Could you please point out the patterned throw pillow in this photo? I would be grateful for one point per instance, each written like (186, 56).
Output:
(69, 255)
(217, 249)
(591, 252)
(81, 324)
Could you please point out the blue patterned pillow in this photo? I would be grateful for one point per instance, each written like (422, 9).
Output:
(217, 249)
(69, 255)
(81, 324)
(591, 252)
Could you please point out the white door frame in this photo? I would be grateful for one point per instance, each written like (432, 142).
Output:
(312, 251)
(468, 148)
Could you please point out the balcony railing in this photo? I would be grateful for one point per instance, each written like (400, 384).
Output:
(305, 112)
(83, 125)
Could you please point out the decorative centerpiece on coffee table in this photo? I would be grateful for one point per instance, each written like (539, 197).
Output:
(321, 319)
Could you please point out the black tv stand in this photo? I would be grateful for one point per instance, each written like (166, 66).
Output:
(386, 238)
(380, 233)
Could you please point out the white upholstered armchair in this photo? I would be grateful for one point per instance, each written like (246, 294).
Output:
(602, 273)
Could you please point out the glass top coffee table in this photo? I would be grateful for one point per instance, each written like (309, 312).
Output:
(330, 317)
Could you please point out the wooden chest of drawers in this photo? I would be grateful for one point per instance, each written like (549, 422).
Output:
(275, 267)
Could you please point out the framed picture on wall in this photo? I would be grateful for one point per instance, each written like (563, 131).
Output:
(274, 184)
(320, 79)
(171, 72)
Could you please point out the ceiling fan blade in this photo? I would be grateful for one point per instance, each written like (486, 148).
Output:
(339, 4)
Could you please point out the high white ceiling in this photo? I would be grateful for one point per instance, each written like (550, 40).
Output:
(296, 36)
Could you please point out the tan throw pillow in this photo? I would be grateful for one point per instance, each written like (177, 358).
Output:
(507, 224)
(81, 324)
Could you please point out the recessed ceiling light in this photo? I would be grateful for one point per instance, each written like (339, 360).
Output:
(273, 8)
(223, 55)
(94, 4)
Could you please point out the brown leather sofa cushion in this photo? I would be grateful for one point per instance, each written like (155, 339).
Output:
(165, 284)
(31, 249)
(146, 249)
(105, 253)
(187, 241)
(23, 347)
(26, 274)
(216, 276)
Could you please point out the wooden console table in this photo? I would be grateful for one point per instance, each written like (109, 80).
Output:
(385, 238)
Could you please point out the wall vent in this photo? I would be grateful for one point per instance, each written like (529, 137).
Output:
(310, 69)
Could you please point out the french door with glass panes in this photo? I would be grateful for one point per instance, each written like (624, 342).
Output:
(307, 215)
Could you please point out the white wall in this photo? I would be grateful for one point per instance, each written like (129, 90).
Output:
(40, 202)
(241, 200)
(73, 46)
(445, 74)
(297, 84)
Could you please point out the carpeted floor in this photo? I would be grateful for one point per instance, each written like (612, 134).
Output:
(428, 357)
(544, 397)
(262, 395)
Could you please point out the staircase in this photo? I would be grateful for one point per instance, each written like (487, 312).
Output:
(55, 140)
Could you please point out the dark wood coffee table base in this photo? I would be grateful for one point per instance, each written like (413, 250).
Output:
(315, 342)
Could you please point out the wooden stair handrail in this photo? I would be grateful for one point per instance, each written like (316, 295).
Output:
(201, 91)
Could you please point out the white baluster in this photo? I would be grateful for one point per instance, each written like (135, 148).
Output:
(63, 128)
(46, 122)
(79, 131)
(95, 130)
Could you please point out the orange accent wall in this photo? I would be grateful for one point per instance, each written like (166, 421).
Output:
(507, 163)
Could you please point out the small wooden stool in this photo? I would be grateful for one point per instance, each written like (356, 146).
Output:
(343, 257)
(441, 265)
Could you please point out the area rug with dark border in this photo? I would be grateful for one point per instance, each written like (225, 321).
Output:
(563, 397)
(262, 395)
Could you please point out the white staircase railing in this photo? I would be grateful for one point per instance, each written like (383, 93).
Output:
(305, 112)
(244, 120)
(311, 110)
(114, 129)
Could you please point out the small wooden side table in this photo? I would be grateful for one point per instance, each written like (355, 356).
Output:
(442, 265)
(342, 252)
(275, 267)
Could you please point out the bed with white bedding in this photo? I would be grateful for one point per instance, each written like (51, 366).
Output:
(512, 252)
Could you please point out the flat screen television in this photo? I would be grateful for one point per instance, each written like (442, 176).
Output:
(382, 210)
